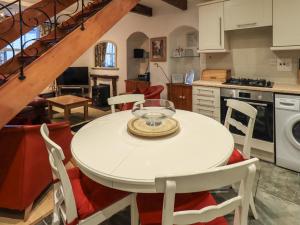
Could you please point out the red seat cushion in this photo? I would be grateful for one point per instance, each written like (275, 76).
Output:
(236, 157)
(150, 206)
(90, 196)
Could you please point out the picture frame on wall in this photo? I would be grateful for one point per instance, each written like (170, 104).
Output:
(158, 49)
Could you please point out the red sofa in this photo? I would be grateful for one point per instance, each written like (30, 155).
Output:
(24, 166)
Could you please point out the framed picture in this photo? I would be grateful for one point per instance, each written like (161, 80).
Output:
(158, 49)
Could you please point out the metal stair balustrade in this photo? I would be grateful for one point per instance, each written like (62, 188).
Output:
(33, 67)
(59, 25)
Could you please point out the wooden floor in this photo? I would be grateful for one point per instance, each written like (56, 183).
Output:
(41, 210)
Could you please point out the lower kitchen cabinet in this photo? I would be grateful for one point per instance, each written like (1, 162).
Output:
(206, 101)
(181, 96)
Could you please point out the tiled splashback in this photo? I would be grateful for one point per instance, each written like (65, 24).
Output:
(251, 57)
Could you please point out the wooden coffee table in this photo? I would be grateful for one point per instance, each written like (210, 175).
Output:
(68, 102)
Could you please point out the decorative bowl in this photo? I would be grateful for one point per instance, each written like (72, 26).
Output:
(154, 111)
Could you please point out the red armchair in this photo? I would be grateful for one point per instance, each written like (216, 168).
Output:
(24, 166)
(152, 92)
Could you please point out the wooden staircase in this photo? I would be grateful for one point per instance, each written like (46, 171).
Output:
(47, 58)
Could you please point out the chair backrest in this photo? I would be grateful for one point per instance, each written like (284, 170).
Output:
(62, 188)
(243, 172)
(247, 110)
(121, 99)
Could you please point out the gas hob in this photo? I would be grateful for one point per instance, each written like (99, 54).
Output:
(250, 82)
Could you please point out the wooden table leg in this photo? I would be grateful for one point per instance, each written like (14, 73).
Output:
(50, 111)
(114, 87)
(86, 111)
(67, 113)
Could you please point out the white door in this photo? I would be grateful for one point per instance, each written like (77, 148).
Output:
(286, 28)
(211, 27)
(241, 14)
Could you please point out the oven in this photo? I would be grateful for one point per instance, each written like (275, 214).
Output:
(262, 101)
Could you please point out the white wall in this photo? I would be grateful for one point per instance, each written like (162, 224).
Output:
(178, 39)
(164, 21)
(250, 57)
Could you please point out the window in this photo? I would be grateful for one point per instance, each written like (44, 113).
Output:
(29, 38)
(110, 56)
(105, 55)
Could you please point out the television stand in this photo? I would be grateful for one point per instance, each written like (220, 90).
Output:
(82, 91)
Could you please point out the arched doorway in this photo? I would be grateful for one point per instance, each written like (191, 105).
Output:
(138, 46)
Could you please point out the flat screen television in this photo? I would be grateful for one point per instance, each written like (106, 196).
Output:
(74, 76)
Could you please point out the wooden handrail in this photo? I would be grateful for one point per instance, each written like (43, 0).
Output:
(15, 94)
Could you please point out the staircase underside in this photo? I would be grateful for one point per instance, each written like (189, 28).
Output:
(15, 94)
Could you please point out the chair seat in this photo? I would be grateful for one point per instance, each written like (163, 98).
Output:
(150, 206)
(90, 196)
(236, 157)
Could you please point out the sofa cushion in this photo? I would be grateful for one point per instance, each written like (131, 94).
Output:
(90, 196)
(236, 157)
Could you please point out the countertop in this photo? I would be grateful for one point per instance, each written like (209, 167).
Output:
(277, 88)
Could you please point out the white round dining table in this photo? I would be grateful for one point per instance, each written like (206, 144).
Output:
(105, 151)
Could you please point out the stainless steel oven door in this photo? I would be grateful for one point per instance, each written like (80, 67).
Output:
(264, 124)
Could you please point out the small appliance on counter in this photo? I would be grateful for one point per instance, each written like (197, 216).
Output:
(216, 75)
(144, 77)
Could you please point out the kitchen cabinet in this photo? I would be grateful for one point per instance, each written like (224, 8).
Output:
(211, 27)
(206, 101)
(133, 85)
(242, 14)
(180, 95)
(286, 29)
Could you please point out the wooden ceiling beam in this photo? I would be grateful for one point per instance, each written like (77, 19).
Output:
(181, 4)
(143, 10)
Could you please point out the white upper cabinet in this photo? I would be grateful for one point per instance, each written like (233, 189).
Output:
(286, 27)
(242, 14)
(211, 27)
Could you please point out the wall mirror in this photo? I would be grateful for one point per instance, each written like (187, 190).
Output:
(106, 55)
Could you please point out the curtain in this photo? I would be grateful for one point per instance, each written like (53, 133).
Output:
(100, 52)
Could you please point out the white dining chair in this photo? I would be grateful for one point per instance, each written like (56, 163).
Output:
(201, 207)
(79, 200)
(245, 153)
(122, 99)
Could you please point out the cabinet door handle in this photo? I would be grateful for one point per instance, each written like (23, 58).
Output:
(247, 25)
(183, 97)
(220, 25)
